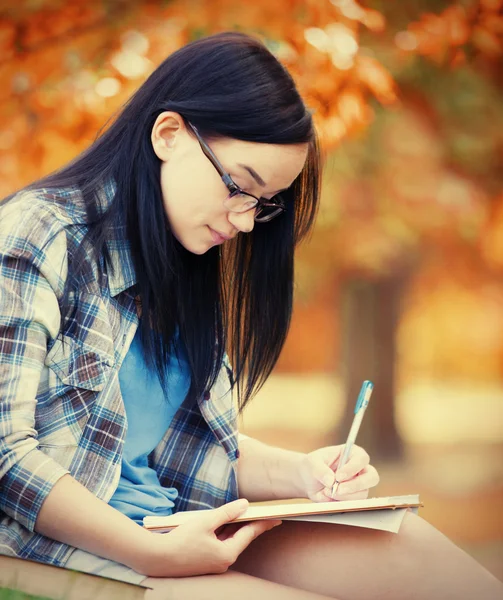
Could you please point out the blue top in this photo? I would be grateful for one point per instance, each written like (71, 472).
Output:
(149, 415)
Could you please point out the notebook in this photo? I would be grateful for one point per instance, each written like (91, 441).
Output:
(385, 513)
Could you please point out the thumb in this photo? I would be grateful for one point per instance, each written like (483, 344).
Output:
(227, 512)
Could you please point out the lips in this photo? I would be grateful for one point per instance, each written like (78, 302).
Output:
(219, 238)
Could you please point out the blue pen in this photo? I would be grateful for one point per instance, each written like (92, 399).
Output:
(360, 408)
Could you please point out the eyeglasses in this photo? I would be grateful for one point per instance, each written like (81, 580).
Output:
(239, 201)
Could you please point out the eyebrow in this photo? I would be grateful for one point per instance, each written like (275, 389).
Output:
(257, 177)
(254, 174)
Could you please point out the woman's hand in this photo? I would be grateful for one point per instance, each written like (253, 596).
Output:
(206, 544)
(317, 474)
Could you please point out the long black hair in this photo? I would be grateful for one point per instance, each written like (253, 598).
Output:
(239, 299)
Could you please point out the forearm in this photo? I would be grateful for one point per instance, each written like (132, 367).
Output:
(73, 515)
(268, 473)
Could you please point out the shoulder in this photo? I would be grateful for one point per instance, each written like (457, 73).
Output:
(32, 229)
(61, 207)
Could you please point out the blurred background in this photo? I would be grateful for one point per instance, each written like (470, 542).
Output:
(402, 280)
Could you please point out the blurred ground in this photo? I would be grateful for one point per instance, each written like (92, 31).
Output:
(459, 479)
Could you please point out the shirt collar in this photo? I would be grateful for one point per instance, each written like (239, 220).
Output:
(123, 274)
(71, 203)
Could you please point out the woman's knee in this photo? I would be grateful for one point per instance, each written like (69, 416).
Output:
(417, 535)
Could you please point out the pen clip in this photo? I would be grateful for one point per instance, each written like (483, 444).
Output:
(364, 395)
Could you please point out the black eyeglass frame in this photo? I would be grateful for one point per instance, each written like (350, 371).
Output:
(234, 188)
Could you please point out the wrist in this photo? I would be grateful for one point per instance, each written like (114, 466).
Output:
(287, 475)
(298, 480)
(144, 552)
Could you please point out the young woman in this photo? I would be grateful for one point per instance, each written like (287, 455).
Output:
(125, 277)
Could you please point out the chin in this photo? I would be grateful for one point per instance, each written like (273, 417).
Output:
(197, 249)
(194, 247)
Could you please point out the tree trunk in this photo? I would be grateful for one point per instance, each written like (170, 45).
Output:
(369, 321)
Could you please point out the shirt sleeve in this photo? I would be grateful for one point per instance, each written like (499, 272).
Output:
(32, 271)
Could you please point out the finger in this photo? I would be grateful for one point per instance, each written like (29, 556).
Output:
(225, 514)
(321, 471)
(358, 460)
(324, 495)
(330, 455)
(368, 478)
(246, 534)
(227, 531)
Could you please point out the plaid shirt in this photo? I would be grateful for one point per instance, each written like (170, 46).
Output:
(61, 409)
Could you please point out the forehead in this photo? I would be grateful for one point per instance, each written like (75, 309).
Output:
(277, 164)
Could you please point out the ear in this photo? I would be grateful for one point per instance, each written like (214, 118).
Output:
(167, 129)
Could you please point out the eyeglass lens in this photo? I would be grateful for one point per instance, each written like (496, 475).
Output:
(242, 203)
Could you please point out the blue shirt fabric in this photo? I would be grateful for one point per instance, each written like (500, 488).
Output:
(149, 414)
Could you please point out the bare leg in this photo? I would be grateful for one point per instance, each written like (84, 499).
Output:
(358, 564)
(219, 587)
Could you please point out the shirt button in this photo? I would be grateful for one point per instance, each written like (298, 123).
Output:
(206, 396)
(237, 454)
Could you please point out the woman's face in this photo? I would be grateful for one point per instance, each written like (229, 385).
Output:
(193, 192)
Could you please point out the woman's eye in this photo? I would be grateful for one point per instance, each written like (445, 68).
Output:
(242, 183)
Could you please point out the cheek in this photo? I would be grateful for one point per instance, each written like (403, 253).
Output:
(190, 207)
(191, 200)
(180, 194)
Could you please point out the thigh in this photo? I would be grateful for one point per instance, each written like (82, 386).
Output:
(319, 557)
(227, 585)
(356, 563)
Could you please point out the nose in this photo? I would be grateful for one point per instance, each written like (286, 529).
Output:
(243, 222)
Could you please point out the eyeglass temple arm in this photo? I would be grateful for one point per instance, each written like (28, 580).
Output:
(226, 178)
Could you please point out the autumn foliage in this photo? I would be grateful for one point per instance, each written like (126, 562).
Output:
(66, 66)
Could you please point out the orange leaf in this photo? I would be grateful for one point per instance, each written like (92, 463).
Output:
(491, 5)
(487, 42)
(7, 39)
(372, 74)
(458, 59)
(374, 20)
(458, 30)
(492, 23)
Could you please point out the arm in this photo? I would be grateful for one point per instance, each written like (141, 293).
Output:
(32, 271)
(73, 515)
(191, 549)
(268, 473)
(35, 490)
